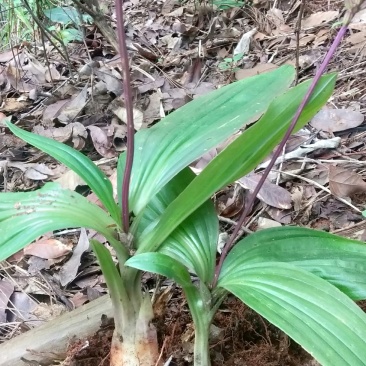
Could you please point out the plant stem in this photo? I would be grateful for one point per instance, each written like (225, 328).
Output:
(278, 151)
(129, 112)
(200, 306)
(201, 345)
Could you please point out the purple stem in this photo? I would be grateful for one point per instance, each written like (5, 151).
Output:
(248, 207)
(129, 111)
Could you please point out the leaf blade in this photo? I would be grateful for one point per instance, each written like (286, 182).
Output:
(27, 215)
(194, 241)
(235, 162)
(77, 162)
(310, 310)
(187, 133)
(340, 261)
(161, 264)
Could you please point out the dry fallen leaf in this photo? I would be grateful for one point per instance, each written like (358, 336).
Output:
(47, 248)
(256, 70)
(270, 193)
(320, 18)
(69, 270)
(38, 172)
(102, 142)
(6, 289)
(264, 223)
(71, 109)
(345, 183)
(230, 201)
(333, 120)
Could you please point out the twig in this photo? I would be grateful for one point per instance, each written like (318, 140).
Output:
(46, 32)
(234, 223)
(321, 187)
(297, 32)
(351, 229)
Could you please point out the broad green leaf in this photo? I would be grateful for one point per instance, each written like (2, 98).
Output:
(186, 134)
(338, 260)
(25, 216)
(323, 320)
(161, 264)
(66, 15)
(77, 162)
(194, 241)
(241, 156)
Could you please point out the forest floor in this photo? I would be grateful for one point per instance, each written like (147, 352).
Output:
(179, 51)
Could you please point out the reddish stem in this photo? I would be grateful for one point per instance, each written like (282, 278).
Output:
(129, 111)
(248, 207)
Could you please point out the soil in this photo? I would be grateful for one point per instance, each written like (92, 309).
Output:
(239, 336)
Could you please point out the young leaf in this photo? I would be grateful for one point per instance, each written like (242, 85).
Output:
(328, 324)
(77, 162)
(161, 264)
(25, 216)
(169, 267)
(186, 134)
(241, 156)
(340, 261)
(194, 241)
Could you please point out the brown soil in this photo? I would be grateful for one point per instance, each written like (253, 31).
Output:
(239, 337)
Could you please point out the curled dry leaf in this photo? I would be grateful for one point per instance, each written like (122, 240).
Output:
(344, 183)
(6, 289)
(153, 111)
(70, 180)
(270, 193)
(52, 111)
(69, 270)
(24, 306)
(333, 120)
(102, 142)
(111, 78)
(72, 109)
(47, 248)
(38, 172)
(118, 108)
(244, 43)
(230, 201)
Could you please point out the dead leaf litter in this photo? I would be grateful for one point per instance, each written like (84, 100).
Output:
(178, 52)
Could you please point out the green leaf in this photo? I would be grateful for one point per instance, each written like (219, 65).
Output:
(116, 286)
(169, 267)
(340, 261)
(66, 15)
(25, 216)
(109, 269)
(71, 34)
(328, 324)
(194, 241)
(161, 264)
(241, 156)
(77, 162)
(186, 134)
